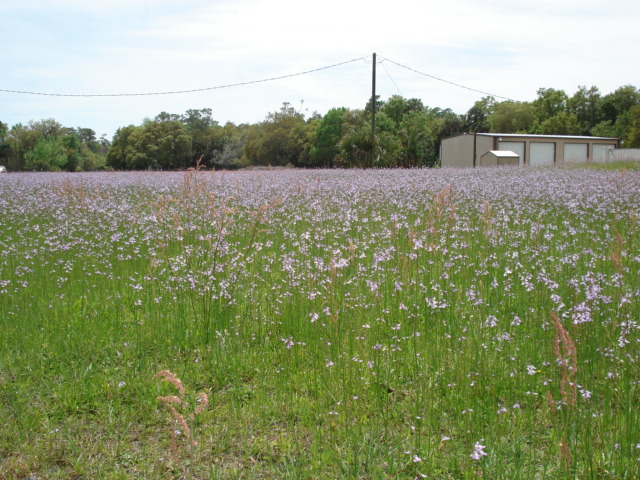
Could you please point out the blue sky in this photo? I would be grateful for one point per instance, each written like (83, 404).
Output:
(507, 48)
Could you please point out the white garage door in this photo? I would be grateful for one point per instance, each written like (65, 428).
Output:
(600, 152)
(576, 152)
(515, 147)
(542, 153)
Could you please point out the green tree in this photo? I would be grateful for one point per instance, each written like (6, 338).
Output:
(585, 104)
(616, 104)
(328, 134)
(5, 148)
(418, 139)
(48, 154)
(157, 144)
(550, 102)
(198, 120)
(606, 128)
(271, 142)
(356, 147)
(86, 136)
(394, 108)
(449, 123)
(388, 146)
(73, 151)
(231, 155)
(367, 108)
(562, 123)
(47, 128)
(512, 117)
(122, 147)
(617, 113)
(477, 118)
(302, 138)
(632, 139)
(166, 145)
(165, 117)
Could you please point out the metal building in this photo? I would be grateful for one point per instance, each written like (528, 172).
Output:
(467, 150)
(499, 157)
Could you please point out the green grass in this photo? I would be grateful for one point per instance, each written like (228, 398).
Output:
(633, 166)
(342, 325)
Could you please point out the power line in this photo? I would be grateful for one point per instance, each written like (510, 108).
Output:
(176, 92)
(390, 78)
(447, 81)
(251, 82)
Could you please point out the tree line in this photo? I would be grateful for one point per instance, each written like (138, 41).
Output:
(407, 134)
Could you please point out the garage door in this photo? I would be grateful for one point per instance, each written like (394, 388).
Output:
(600, 152)
(515, 147)
(542, 153)
(576, 152)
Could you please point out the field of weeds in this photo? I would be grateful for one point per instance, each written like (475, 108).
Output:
(441, 324)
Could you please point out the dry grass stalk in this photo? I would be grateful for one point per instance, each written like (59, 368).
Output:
(167, 376)
(566, 453)
(204, 403)
(552, 403)
(567, 357)
(442, 201)
(486, 215)
(617, 247)
(179, 418)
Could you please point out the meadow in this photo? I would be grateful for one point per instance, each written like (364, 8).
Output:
(356, 324)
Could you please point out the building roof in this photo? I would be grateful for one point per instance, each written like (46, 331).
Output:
(504, 153)
(513, 135)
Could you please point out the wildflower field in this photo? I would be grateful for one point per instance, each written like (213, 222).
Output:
(390, 324)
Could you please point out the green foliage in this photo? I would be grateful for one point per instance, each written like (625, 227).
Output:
(632, 139)
(477, 118)
(619, 102)
(585, 104)
(387, 148)
(47, 145)
(5, 149)
(73, 151)
(512, 117)
(562, 123)
(48, 154)
(231, 155)
(394, 108)
(550, 102)
(418, 141)
(156, 145)
(276, 141)
(356, 147)
(328, 134)
(407, 134)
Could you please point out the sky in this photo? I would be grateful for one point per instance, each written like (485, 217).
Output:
(245, 58)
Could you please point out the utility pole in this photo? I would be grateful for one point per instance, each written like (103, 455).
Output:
(373, 105)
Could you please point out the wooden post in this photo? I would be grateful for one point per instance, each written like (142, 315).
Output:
(373, 109)
(475, 135)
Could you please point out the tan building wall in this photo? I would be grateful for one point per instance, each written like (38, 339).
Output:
(458, 151)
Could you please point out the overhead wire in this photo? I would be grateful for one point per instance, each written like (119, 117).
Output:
(446, 81)
(176, 92)
(381, 61)
(391, 78)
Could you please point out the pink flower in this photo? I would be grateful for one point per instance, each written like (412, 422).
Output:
(478, 451)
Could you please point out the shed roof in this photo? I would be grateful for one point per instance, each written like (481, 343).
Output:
(504, 153)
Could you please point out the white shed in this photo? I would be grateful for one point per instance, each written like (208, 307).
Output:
(499, 157)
